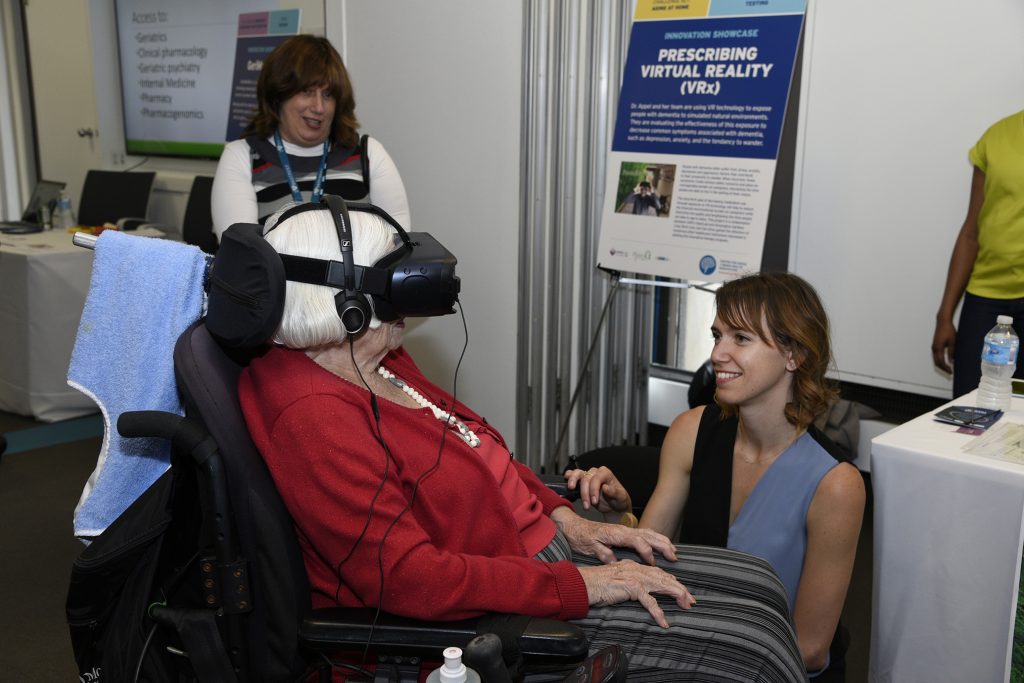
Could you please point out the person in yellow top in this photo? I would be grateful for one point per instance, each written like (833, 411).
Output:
(987, 265)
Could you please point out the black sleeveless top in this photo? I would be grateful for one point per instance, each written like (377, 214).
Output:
(706, 513)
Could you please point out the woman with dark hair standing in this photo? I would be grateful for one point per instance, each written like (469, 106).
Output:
(303, 142)
(751, 472)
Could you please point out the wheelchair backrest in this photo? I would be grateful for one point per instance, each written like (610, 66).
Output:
(207, 376)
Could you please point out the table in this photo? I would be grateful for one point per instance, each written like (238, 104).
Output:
(43, 282)
(947, 551)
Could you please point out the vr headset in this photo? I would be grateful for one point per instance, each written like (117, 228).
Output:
(247, 281)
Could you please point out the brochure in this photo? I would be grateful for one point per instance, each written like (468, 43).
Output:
(969, 416)
(1005, 441)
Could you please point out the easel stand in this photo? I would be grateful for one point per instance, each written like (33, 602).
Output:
(617, 280)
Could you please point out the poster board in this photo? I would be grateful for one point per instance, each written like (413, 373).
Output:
(697, 132)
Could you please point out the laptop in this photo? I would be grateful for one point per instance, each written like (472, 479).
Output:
(45, 193)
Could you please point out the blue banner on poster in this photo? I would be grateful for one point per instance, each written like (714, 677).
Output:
(258, 34)
(249, 58)
(709, 87)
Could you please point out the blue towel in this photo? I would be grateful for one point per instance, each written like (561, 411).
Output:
(144, 292)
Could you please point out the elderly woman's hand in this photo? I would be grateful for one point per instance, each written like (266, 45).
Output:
(600, 488)
(624, 580)
(596, 539)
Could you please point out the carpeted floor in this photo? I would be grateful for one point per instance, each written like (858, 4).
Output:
(36, 435)
(39, 488)
(38, 492)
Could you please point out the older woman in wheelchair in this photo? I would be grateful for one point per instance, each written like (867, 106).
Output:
(408, 501)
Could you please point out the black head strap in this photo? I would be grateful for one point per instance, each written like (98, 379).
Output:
(343, 224)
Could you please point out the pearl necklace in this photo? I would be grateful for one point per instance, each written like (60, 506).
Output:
(455, 423)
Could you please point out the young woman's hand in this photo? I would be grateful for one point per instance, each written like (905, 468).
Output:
(599, 488)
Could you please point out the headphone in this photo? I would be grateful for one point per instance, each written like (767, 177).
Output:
(352, 305)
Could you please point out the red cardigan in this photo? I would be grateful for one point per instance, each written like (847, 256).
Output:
(455, 553)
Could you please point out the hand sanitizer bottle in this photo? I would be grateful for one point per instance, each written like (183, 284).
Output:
(453, 671)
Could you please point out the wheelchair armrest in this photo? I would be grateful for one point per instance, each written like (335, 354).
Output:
(556, 483)
(335, 626)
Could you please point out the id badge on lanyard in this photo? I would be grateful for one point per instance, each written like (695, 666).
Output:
(318, 185)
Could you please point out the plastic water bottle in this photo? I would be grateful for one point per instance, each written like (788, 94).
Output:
(453, 671)
(998, 363)
(63, 215)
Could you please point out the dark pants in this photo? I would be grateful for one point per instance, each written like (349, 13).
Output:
(977, 317)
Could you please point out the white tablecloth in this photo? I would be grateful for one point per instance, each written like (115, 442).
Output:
(43, 282)
(948, 536)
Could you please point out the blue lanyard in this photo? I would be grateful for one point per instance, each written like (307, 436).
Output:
(318, 186)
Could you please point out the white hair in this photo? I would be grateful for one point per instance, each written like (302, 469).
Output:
(310, 317)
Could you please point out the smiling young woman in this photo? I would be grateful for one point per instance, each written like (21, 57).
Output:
(750, 370)
(751, 472)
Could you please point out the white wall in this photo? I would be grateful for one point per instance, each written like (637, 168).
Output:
(438, 83)
(894, 94)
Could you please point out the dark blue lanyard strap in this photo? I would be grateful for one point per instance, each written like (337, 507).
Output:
(318, 186)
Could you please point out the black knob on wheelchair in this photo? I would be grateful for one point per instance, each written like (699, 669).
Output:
(484, 655)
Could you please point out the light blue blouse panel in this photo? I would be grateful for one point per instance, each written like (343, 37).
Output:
(772, 523)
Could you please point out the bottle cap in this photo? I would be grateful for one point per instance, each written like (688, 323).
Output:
(1004, 320)
(453, 671)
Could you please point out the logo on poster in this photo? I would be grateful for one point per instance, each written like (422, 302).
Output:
(708, 264)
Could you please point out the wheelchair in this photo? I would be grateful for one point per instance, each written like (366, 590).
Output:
(202, 578)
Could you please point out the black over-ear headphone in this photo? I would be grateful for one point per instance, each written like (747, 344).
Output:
(352, 305)
(353, 308)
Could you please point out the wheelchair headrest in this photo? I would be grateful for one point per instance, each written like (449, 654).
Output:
(246, 288)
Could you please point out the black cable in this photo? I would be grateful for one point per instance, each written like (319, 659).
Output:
(145, 648)
(167, 589)
(132, 168)
(583, 371)
(415, 488)
(380, 487)
(340, 665)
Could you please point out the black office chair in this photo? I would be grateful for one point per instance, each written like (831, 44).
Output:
(197, 224)
(702, 385)
(117, 197)
(636, 467)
